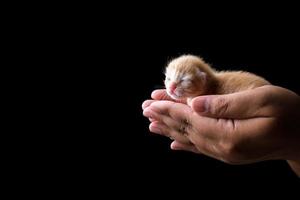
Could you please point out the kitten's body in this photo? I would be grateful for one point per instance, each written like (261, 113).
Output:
(235, 81)
(189, 76)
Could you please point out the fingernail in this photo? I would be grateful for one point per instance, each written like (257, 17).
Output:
(148, 113)
(174, 146)
(201, 104)
(151, 119)
(145, 104)
(155, 129)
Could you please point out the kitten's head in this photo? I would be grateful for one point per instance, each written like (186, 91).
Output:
(186, 76)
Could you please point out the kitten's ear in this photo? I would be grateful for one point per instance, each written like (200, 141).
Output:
(201, 74)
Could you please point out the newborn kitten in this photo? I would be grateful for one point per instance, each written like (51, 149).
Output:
(189, 76)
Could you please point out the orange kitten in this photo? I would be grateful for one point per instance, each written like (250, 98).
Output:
(189, 76)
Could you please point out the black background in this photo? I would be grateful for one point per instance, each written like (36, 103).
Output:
(91, 67)
(136, 66)
(152, 152)
(132, 67)
(114, 65)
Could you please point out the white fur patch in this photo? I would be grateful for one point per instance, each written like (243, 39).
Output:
(201, 74)
(186, 83)
(187, 77)
(171, 74)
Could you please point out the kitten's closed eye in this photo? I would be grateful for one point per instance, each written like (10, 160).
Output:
(186, 83)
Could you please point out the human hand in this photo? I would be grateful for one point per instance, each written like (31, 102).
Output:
(244, 127)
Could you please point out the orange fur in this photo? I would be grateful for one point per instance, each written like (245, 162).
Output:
(208, 81)
(235, 81)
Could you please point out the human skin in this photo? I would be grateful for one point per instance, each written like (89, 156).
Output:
(239, 128)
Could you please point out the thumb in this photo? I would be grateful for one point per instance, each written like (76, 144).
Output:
(240, 105)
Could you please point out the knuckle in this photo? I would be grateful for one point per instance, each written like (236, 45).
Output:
(231, 153)
(219, 106)
(184, 127)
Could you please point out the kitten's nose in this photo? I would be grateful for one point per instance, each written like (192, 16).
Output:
(173, 86)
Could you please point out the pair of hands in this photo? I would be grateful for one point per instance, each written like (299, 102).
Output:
(239, 128)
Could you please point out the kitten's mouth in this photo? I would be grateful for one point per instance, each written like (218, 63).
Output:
(174, 95)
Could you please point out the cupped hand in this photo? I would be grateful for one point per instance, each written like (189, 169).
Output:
(244, 127)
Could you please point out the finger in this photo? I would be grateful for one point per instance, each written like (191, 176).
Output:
(176, 145)
(160, 95)
(163, 117)
(154, 114)
(147, 103)
(204, 132)
(173, 109)
(163, 124)
(175, 115)
(163, 129)
(240, 105)
(202, 148)
(182, 143)
(159, 128)
(163, 95)
(152, 120)
(179, 117)
(179, 136)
